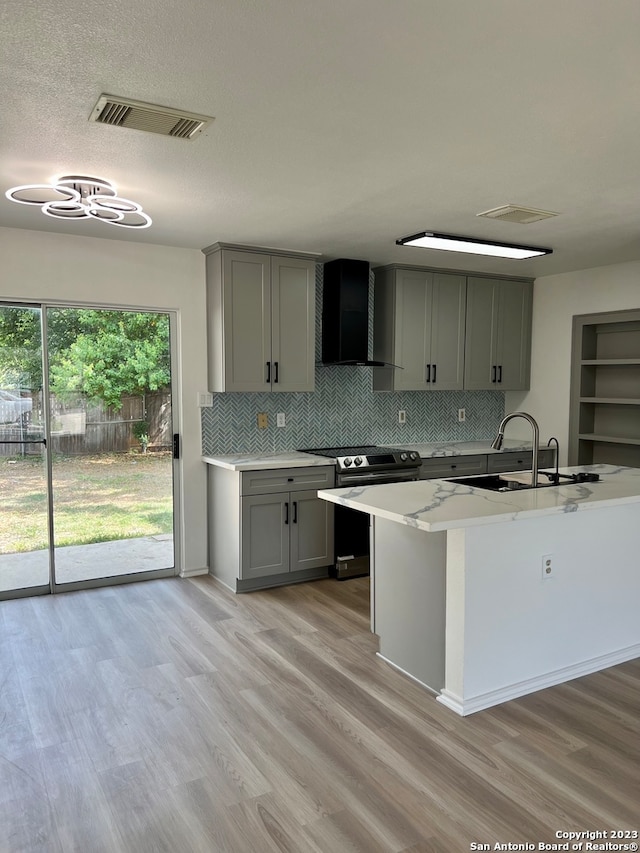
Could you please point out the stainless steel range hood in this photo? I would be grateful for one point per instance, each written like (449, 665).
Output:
(345, 314)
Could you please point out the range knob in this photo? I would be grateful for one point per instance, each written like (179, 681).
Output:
(413, 454)
(358, 460)
(347, 462)
(403, 456)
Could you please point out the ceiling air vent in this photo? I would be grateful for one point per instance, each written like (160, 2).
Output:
(123, 112)
(514, 213)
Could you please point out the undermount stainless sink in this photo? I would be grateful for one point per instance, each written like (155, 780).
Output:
(496, 483)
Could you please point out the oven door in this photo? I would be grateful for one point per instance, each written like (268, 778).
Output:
(352, 528)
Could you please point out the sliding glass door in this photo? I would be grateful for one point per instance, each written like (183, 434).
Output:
(24, 512)
(88, 485)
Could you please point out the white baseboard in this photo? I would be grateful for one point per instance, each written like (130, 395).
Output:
(191, 573)
(531, 685)
(408, 674)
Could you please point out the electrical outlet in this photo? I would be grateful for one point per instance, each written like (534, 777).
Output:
(462, 416)
(263, 420)
(205, 399)
(402, 416)
(548, 568)
(280, 419)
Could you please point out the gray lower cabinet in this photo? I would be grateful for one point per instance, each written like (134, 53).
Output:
(265, 535)
(442, 467)
(498, 334)
(500, 463)
(285, 533)
(268, 527)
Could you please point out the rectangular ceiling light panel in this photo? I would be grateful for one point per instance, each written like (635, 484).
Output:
(137, 115)
(471, 245)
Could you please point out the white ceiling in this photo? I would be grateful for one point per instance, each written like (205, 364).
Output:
(340, 125)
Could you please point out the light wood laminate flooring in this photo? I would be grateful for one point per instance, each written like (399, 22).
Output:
(174, 716)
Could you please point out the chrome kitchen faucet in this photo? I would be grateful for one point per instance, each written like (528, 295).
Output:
(496, 444)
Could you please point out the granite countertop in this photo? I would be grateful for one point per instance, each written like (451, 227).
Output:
(266, 461)
(434, 505)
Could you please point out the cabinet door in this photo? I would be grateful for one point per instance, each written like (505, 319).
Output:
(293, 324)
(311, 531)
(412, 332)
(265, 521)
(447, 325)
(247, 321)
(513, 350)
(481, 334)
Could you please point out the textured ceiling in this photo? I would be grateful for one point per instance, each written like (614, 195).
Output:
(340, 125)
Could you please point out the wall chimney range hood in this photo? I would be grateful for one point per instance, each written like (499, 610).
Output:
(345, 314)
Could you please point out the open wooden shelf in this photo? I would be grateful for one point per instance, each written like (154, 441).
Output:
(612, 401)
(609, 439)
(604, 418)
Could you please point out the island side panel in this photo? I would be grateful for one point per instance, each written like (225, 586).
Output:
(520, 631)
(409, 600)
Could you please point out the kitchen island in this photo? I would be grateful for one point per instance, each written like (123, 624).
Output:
(486, 596)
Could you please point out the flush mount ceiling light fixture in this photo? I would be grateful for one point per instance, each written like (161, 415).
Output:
(471, 245)
(82, 197)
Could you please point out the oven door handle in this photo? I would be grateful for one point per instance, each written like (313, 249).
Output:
(362, 479)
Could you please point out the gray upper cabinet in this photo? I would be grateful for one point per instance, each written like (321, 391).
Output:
(419, 321)
(261, 319)
(498, 334)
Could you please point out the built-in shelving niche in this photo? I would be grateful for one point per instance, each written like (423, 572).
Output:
(604, 422)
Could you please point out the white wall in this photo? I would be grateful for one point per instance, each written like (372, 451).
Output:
(556, 300)
(38, 265)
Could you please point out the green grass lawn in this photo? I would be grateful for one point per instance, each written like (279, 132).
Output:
(96, 499)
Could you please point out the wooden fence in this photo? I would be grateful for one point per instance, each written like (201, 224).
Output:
(84, 427)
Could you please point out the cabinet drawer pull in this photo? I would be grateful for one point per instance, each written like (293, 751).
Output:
(286, 512)
(428, 366)
(453, 466)
(493, 373)
(289, 479)
(499, 373)
(434, 372)
(295, 512)
(268, 373)
(275, 371)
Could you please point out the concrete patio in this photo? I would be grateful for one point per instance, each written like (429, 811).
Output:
(87, 562)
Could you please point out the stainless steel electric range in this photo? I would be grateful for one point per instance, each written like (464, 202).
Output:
(367, 465)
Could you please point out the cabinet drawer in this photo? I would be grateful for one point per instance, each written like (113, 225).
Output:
(452, 466)
(287, 480)
(519, 461)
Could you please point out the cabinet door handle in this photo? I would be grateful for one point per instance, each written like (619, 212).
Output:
(493, 373)
(268, 373)
(428, 366)
(275, 371)
(295, 512)
(499, 373)
(286, 512)
(434, 372)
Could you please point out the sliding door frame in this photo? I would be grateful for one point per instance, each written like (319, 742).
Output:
(176, 428)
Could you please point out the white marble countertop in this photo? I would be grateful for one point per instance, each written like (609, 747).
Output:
(297, 459)
(434, 505)
(433, 449)
(266, 461)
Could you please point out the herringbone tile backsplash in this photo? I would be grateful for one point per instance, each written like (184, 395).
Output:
(343, 410)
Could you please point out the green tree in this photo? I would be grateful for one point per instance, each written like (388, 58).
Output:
(102, 354)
